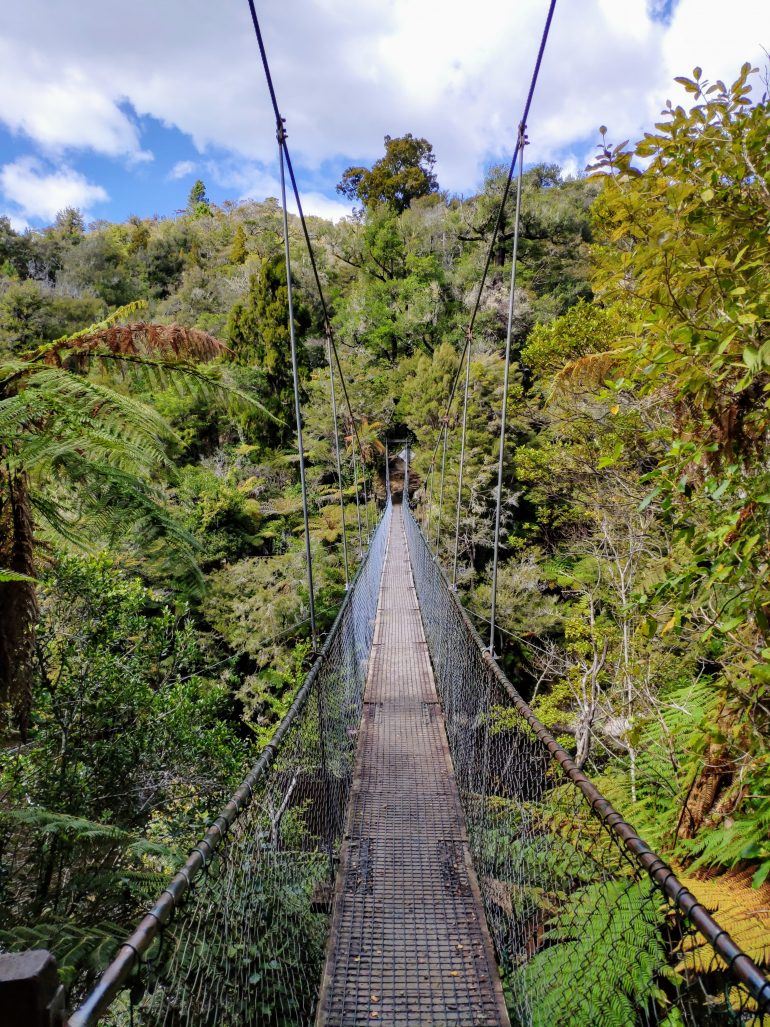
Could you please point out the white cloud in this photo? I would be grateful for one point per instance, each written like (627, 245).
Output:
(57, 102)
(570, 167)
(38, 193)
(719, 47)
(17, 224)
(348, 73)
(253, 181)
(322, 206)
(182, 169)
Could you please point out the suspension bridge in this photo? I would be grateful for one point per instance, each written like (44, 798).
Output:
(397, 857)
(413, 847)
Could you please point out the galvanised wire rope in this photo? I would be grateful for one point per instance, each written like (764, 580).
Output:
(463, 435)
(441, 486)
(281, 130)
(295, 381)
(338, 462)
(499, 219)
(504, 401)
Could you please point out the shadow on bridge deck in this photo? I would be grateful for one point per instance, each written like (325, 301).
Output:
(409, 943)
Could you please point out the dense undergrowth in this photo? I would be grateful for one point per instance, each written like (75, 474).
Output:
(154, 606)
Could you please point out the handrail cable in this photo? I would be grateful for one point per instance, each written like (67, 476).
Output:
(463, 435)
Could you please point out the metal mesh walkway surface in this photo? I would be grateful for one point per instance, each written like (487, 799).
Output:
(409, 943)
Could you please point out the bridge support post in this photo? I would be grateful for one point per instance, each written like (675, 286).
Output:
(30, 992)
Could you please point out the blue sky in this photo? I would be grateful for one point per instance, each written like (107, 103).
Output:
(117, 109)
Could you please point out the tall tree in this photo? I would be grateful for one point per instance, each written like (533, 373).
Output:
(197, 199)
(238, 250)
(403, 174)
(258, 331)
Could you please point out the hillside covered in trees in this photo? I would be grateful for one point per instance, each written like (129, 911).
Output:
(153, 604)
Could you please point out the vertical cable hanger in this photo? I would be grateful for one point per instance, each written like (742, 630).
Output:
(506, 376)
(441, 487)
(338, 461)
(358, 505)
(427, 506)
(468, 346)
(281, 136)
(356, 439)
(517, 155)
(280, 129)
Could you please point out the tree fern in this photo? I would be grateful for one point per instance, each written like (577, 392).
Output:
(741, 910)
(73, 828)
(600, 961)
(86, 457)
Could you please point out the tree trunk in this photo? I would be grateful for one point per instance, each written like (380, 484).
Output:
(18, 600)
(715, 775)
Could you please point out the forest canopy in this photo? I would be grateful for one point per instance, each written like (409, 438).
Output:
(151, 552)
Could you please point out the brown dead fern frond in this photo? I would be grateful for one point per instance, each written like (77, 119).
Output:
(139, 340)
(590, 369)
(740, 909)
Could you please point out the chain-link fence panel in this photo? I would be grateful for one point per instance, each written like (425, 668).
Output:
(237, 939)
(590, 926)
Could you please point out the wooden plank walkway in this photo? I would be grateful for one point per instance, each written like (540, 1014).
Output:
(409, 944)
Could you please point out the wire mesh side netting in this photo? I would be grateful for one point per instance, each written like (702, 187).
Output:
(583, 915)
(246, 944)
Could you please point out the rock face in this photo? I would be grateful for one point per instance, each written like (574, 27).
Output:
(397, 468)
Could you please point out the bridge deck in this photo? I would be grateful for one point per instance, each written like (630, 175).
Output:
(409, 944)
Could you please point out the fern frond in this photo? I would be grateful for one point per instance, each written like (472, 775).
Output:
(80, 829)
(591, 369)
(742, 910)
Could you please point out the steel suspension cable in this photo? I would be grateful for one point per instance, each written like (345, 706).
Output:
(504, 406)
(501, 210)
(355, 438)
(338, 462)
(458, 507)
(366, 501)
(441, 487)
(280, 121)
(429, 505)
(358, 506)
(295, 379)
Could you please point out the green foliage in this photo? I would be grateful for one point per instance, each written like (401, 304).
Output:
(585, 329)
(258, 331)
(197, 200)
(605, 946)
(126, 723)
(402, 175)
(702, 332)
(401, 302)
(705, 193)
(118, 694)
(238, 250)
(633, 580)
(219, 514)
(30, 314)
